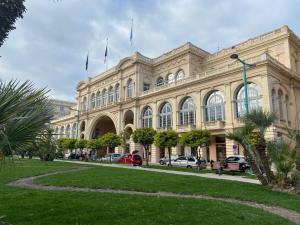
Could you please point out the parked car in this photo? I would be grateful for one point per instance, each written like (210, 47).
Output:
(164, 160)
(114, 157)
(188, 162)
(67, 155)
(243, 165)
(74, 156)
(135, 159)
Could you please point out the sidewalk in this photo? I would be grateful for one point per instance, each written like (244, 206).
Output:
(206, 175)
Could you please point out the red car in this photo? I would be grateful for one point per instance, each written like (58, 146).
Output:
(135, 160)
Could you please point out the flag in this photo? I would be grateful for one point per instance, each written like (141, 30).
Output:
(105, 54)
(87, 62)
(131, 32)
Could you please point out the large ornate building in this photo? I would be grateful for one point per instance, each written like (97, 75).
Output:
(189, 88)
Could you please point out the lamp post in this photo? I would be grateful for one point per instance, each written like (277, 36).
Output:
(236, 56)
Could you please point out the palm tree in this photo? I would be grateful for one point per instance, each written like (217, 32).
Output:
(261, 121)
(244, 136)
(25, 112)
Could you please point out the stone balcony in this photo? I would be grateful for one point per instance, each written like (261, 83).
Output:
(185, 128)
(214, 125)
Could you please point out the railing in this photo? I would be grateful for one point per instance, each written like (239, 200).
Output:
(224, 69)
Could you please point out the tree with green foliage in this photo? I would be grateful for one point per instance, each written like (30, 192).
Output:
(94, 144)
(145, 137)
(46, 145)
(252, 138)
(10, 11)
(69, 143)
(196, 139)
(81, 144)
(25, 113)
(110, 141)
(166, 139)
(284, 158)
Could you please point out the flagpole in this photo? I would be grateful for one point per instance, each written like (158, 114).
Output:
(131, 37)
(87, 68)
(106, 60)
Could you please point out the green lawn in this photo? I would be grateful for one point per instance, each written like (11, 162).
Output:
(119, 178)
(247, 175)
(21, 207)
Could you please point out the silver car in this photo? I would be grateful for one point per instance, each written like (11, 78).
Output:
(188, 162)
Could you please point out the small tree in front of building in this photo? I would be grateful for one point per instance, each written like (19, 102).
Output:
(166, 139)
(81, 144)
(145, 137)
(94, 144)
(69, 143)
(196, 139)
(110, 141)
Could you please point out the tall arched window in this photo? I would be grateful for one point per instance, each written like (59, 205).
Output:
(93, 101)
(104, 97)
(117, 92)
(274, 100)
(98, 99)
(68, 131)
(214, 107)
(84, 104)
(254, 99)
(56, 133)
(74, 129)
(62, 132)
(160, 81)
(187, 114)
(180, 75)
(170, 78)
(129, 88)
(287, 107)
(280, 104)
(147, 117)
(110, 95)
(165, 116)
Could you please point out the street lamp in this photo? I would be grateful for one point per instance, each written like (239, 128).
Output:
(236, 56)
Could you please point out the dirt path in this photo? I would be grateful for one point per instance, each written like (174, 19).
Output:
(28, 183)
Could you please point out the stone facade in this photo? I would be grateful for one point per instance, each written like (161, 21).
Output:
(189, 88)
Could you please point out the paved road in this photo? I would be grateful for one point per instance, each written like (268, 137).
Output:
(205, 175)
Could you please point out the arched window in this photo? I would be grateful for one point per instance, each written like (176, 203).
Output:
(287, 107)
(214, 107)
(160, 81)
(84, 104)
(99, 99)
(68, 131)
(147, 117)
(129, 88)
(110, 95)
(62, 132)
(274, 101)
(93, 101)
(104, 97)
(187, 114)
(254, 99)
(170, 78)
(117, 92)
(74, 129)
(280, 104)
(180, 75)
(165, 116)
(56, 133)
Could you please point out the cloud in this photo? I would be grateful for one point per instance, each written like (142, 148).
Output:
(50, 44)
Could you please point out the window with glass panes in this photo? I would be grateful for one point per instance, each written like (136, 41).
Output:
(165, 116)
(110, 95)
(117, 92)
(254, 99)
(187, 114)
(147, 117)
(130, 88)
(214, 107)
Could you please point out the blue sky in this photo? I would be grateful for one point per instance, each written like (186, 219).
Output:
(50, 44)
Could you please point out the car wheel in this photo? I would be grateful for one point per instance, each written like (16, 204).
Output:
(189, 166)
